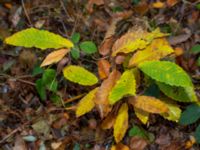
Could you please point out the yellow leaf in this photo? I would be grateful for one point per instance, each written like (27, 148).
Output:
(158, 49)
(143, 116)
(86, 104)
(125, 86)
(121, 123)
(119, 146)
(149, 104)
(54, 57)
(132, 41)
(158, 5)
(79, 75)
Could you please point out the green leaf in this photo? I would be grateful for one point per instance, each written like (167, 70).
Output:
(137, 131)
(181, 94)
(49, 79)
(126, 85)
(38, 38)
(190, 115)
(75, 53)
(198, 6)
(76, 38)
(79, 75)
(56, 99)
(197, 134)
(196, 49)
(166, 72)
(88, 47)
(40, 87)
(37, 70)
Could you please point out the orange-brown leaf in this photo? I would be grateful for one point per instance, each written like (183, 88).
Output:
(149, 104)
(103, 68)
(121, 123)
(54, 57)
(101, 100)
(106, 46)
(109, 121)
(119, 146)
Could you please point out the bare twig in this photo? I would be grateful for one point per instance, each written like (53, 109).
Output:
(26, 13)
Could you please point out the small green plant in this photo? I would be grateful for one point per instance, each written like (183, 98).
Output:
(143, 53)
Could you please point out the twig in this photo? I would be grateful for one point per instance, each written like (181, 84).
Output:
(25, 12)
(10, 134)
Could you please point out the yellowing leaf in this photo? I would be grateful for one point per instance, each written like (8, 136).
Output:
(102, 102)
(119, 146)
(158, 49)
(143, 116)
(79, 75)
(38, 38)
(121, 123)
(54, 57)
(125, 86)
(132, 41)
(174, 112)
(86, 104)
(158, 4)
(150, 104)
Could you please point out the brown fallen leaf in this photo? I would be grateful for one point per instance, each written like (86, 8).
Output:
(90, 4)
(109, 121)
(54, 57)
(106, 46)
(101, 100)
(171, 3)
(137, 143)
(103, 68)
(174, 40)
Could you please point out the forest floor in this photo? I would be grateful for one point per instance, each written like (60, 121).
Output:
(28, 123)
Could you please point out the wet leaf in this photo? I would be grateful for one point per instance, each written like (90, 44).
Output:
(149, 104)
(132, 41)
(121, 123)
(125, 86)
(79, 75)
(38, 38)
(86, 104)
(190, 115)
(103, 68)
(54, 57)
(143, 116)
(158, 49)
(119, 146)
(181, 94)
(166, 72)
(102, 102)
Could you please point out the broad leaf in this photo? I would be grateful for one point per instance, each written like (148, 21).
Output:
(174, 112)
(75, 52)
(137, 131)
(54, 57)
(158, 49)
(190, 115)
(166, 72)
(88, 47)
(103, 68)
(79, 75)
(132, 41)
(181, 94)
(109, 121)
(149, 104)
(143, 116)
(40, 87)
(197, 134)
(49, 79)
(75, 38)
(38, 38)
(102, 102)
(121, 123)
(125, 86)
(196, 49)
(86, 104)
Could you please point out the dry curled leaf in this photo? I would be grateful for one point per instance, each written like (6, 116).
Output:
(101, 100)
(54, 57)
(103, 68)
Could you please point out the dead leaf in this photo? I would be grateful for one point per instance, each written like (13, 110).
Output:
(86, 104)
(121, 123)
(109, 121)
(178, 51)
(174, 40)
(90, 4)
(103, 68)
(149, 104)
(158, 4)
(137, 143)
(54, 57)
(101, 100)
(171, 3)
(106, 46)
(119, 146)
(119, 59)
(158, 49)
(19, 143)
(141, 8)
